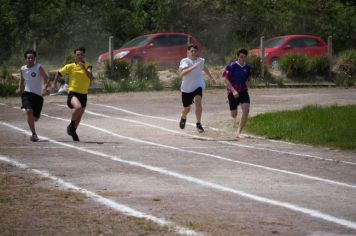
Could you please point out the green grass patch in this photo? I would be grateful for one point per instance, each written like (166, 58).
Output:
(333, 126)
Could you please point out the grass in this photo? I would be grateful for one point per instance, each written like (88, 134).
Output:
(333, 126)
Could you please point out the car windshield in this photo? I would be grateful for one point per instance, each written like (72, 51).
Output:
(275, 42)
(137, 42)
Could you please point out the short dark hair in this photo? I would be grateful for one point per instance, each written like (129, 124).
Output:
(190, 46)
(241, 50)
(81, 49)
(30, 51)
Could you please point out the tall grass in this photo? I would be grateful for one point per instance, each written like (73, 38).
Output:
(333, 126)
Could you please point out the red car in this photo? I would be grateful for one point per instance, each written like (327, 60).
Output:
(277, 47)
(164, 49)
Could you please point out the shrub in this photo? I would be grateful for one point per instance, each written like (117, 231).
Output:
(69, 58)
(124, 77)
(294, 65)
(120, 70)
(255, 63)
(345, 68)
(176, 83)
(5, 72)
(7, 90)
(8, 85)
(319, 65)
(143, 71)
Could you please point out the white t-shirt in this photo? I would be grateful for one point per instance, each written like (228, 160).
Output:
(33, 79)
(193, 79)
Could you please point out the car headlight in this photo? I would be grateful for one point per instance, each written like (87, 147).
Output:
(121, 54)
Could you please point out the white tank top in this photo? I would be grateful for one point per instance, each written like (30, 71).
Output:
(33, 79)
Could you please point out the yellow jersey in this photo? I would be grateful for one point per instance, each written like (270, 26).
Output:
(78, 81)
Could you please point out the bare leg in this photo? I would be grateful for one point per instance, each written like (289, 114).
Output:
(245, 111)
(198, 108)
(233, 114)
(31, 120)
(185, 112)
(78, 111)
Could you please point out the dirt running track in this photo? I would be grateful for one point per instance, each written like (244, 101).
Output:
(133, 153)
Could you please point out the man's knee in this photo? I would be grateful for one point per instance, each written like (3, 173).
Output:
(186, 109)
(233, 114)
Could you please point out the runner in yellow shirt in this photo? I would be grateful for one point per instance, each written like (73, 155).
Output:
(79, 77)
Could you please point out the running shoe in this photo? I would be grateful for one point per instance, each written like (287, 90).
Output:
(34, 138)
(182, 123)
(200, 128)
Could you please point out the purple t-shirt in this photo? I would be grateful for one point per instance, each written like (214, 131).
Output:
(237, 75)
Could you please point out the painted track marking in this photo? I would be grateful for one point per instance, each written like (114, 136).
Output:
(225, 142)
(313, 213)
(126, 210)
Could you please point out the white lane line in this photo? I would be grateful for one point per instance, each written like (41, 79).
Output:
(124, 209)
(142, 115)
(227, 142)
(29, 147)
(310, 212)
(328, 181)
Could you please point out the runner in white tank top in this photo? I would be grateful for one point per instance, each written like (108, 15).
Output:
(32, 86)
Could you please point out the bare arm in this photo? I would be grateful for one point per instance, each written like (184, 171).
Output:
(55, 80)
(21, 84)
(230, 87)
(189, 69)
(46, 81)
(88, 71)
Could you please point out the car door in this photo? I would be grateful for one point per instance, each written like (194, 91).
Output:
(295, 46)
(177, 48)
(314, 47)
(157, 50)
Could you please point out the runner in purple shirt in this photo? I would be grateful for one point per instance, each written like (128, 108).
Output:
(237, 74)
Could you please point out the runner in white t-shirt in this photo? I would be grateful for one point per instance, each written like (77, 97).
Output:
(191, 68)
(32, 86)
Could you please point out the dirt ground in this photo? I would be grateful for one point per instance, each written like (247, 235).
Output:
(136, 173)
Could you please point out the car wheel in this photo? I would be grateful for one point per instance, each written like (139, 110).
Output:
(275, 63)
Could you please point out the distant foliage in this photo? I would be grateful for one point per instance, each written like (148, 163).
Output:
(176, 83)
(8, 85)
(345, 68)
(69, 58)
(220, 25)
(255, 63)
(294, 65)
(125, 77)
(142, 71)
(319, 65)
(120, 70)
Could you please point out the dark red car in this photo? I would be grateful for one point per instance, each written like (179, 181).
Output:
(277, 47)
(164, 49)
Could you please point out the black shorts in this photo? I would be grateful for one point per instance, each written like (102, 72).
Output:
(32, 101)
(81, 97)
(188, 98)
(235, 102)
